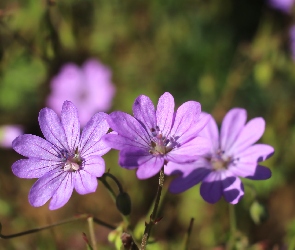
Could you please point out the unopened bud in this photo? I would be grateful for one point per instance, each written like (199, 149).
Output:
(123, 203)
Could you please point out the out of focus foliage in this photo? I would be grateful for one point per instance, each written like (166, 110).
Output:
(224, 54)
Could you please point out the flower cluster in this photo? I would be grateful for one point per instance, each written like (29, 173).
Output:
(183, 142)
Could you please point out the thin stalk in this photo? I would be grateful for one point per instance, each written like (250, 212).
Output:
(38, 229)
(92, 234)
(80, 217)
(153, 216)
(189, 231)
(233, 228)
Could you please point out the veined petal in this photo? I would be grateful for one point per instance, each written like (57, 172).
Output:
(94, 165)
(251, 133)
(231, 126)
(256, 153)
(120, 142)
(52, 128)
(71, 124)
(165, 113)
(127, 126)
(234, 192)
(144, 111)
(35, 147)
(189, 151)
(210, 131)
(33, 168)
(150, 168)
(63, 193)
(132, 157)
(45, 187)
(182, 183)
(185, 123)
(84, 182)
(95, 129)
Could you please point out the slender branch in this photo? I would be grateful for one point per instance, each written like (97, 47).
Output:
(92, 234)
(189, 231)
(38, 229)
(233, 228)
(115, 180)
(153, 217)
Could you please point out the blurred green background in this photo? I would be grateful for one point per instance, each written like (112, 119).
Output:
(224, 54)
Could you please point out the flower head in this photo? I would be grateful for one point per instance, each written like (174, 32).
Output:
(156, 137)
(89, 88)
(8, 133)
(65, 160)
(232, 155)
(282, 5)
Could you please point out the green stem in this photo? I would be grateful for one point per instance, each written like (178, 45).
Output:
(189, 231)
(92, 234)
(153, 216)
(38, 229)
(233, 227)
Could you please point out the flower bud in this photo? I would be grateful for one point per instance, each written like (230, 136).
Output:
(123, 203)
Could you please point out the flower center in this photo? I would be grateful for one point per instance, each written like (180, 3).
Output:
(72, 162)
(161, 145)
(220, 161)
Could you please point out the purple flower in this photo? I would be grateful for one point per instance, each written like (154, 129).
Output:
(153, 137)
(232, 155)
(282, 5)
(65, 160)
(89, 88)
(8, 133)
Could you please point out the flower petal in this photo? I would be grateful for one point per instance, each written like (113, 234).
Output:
(243, 169)
(210, 131)
(256, 153)
(165, 113)
(182, 183)
(45, 187)
(63, 193)
(150, 168)
(251, 133)
(213, 185)
(189, 151)
(144, 111)
(186, 168)
(132, 157)
(261, 173)
(231, 127)
(186, 124)
(35, 147)
(120, 142)
(95, 129)
(33, 168)
(52, 128)
(234, 193)
(94, 165)
(71, 124)
(127, 126)
(84, 182)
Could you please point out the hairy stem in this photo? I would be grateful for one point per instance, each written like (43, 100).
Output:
(153, 216)
(92, 234)
(233, 228)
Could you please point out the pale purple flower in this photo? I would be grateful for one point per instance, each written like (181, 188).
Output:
(64, 161)
(232, 155)
(90, 88)
(8, 133)
(282, 5)
(155, 137)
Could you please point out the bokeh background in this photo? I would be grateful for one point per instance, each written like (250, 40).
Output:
(224, 54)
